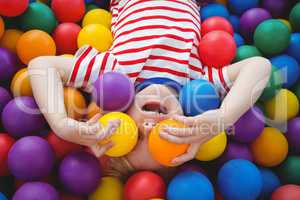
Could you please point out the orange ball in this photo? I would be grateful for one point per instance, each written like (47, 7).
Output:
(75, 103)
(2, 27)
(270, 148)
(20, 85)
(164, 151)
(92, 110)
(10, 39)
(35, 43)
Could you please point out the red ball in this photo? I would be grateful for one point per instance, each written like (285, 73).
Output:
(216, 24)
(287, 192)
(65, 37)
(60, 146)
(12, 8)
(68, 10)
(144, 186)
(217, 49)
(6, 142)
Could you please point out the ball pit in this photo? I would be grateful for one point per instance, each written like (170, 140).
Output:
(8, 62)
(74, 13)
(238, 7)
(294, 47)
(2, 196)
(246, 51)
(97, 16)
(20, 84)
(36, 190)
(6, 142)
(289, 170)
(286, 192)
(236, 151)
(110, 188)
(238, 40)
(214, 9)
(295, 17)
(10, 38)
(216, 24)
(74, 103)
(270, 183)
(273, 86)
(292, 134)
(5, 97)
(13, 8)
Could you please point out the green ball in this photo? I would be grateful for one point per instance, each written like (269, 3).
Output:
(274, 85)
(289, 170)
(90, 7)
(272, 37)
(295, 17)
(246, 51)
(38, 16)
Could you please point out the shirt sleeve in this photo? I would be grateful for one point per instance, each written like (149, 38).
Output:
(89, 64)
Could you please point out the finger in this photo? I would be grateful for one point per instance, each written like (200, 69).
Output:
(188, 121)
(175, 139)
(190, 155)
(94, 119)
(110, 129)
(180, 132)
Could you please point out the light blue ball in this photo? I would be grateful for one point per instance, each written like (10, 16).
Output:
(239, 40)
(235, 22)
(239, 180)
(2, 196)
(289, 68)
(198, 96)
(238, 7)
(294, 47)
(190, 186)
(270, 183)
(214, 9)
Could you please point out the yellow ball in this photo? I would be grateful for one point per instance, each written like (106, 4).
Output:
(96, 35)
(286, 22)
(10, 39)
(283, 106)
(213, 148)
(110, 188)
(125, 137)
(20, 85)
(97, 16)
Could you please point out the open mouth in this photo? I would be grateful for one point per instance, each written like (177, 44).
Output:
(155, 107)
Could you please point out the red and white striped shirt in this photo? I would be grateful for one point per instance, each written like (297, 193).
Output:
(152, 38)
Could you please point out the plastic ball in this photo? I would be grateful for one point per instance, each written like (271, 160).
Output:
(96, 35)
(65, 37)
(273, 86)
(125, 137)
(198, 96)
(61, 147)
(8, 65)
(238, 7)
(246, 51)
(289, 170)
(213, 148)
(92, 110)
(235, 22)
(295, 17)
(31, 158)
(270, 148)
(162, 150)
(293, 134)
(239, 40)
(286, 192)
(214, 9)
(251, 19)
(2, 27)
(266, 32)
(66, 13)
(20, 84)
(276, 7)
(117, 101)
(290, 69)
(10, 39)
(71, 173)
(110, 188)
(216, 24)
(36, 190)
(13, 8)
(38, 16)
(33, 44)
(75, 103)
(294, 47)
(144, 185)
(6, 142)
(270, 183)
(29, 119)
(236, 151)
(191, 186)
(217, 49)
(5, 97)
(97, 16)
(242, 176)
(283, 106)
(249, 126)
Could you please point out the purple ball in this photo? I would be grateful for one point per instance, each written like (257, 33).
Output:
(249, 126)
(236, 151)
(276, 7)
(113, 92)
(79, 173)
(31, 158)
(293, 134)
(36, 190)
(251, 19)
(5, 97)
(21, 117)
(8, 64)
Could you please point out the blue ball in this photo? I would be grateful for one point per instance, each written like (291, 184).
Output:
(190, 186)
(198, 96)
(294, 47)
(239, 180)
(214, 9)
(2, 196)
(235, 22)
(239, 40)
(270, 183)
(238, 7)
(289, 68)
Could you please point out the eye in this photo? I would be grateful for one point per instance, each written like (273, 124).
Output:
(155, 107)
